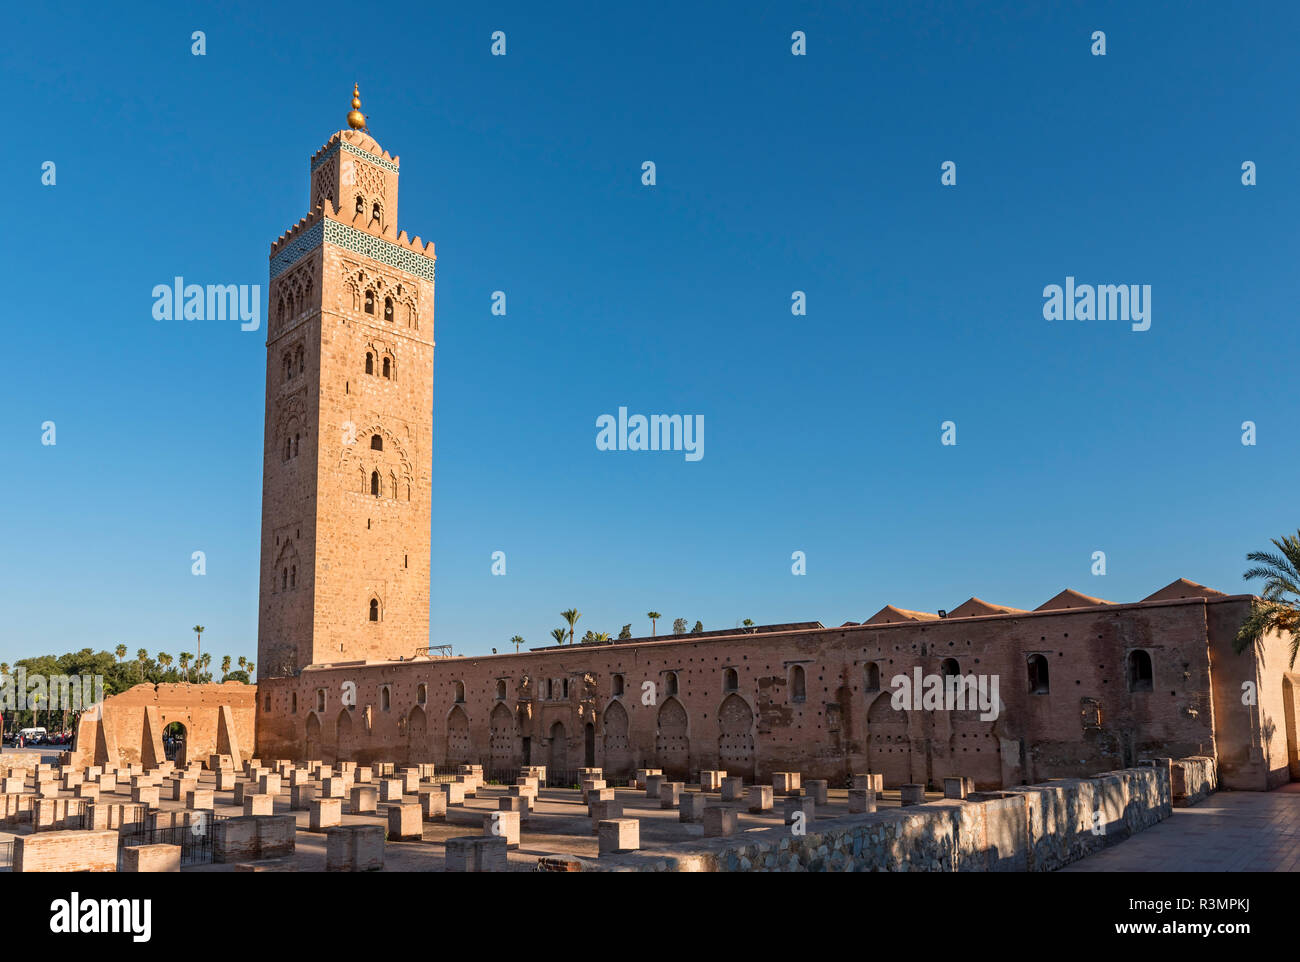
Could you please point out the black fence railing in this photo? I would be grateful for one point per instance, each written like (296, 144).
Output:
(195, 839)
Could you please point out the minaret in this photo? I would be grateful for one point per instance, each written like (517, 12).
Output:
(346, 484)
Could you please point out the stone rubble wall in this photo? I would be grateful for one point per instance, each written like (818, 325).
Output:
(1031, 828)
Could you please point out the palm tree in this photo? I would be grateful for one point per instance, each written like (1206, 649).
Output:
(243, 663)
(251, 668)
(571, 616)
(654, 616)
(601, 637)
(1279, 608)
(185, 664)
(142, 656)
(225, 666)
(748, 622)
(120, 651)
(559, 634)
(198, 634)
(517, 640)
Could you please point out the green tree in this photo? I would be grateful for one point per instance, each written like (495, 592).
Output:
(198, 650)
(225, 666)
(679, 626)
(654, 616)
(517, 640)
(120, 651)
(699, 626)
(185, 664)
(251, 668)
(1278, 608)
(559, 634)
(625, 633)
(141, 656)
(748, 622)
(571, 616)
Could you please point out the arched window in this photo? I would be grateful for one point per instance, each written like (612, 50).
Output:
(370, 363)
(421, 694)
(293, 576)
(376, 443)
(730, 681)
(566, 688)
(392, 487)
(387, 368)
(370, 302)
(302, 360)
(670, 682)
(1038, 681)
(872, 682)
(501, 691)
(798, 688)
(949, 667)
(374, 609)
(296, 439)
(288, 367)
(361, 204)
(284, 579)
(385, 699)
(374, 483)
(320, 699)
(293, 703)
(288, 448)
(374, 211)
(617, 685)
(460, 692)
(1139, 670)
(388, 308)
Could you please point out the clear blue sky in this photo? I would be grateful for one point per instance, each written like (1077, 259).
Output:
(775, 173)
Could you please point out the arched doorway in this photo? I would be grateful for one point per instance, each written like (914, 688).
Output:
(589, 745)
(889, 749)
(418, 748)
(736, 737)
(559, 759)
(174, 739)
(312, 739)
(503, 741)
(458, 748)
(672, 746)
(617, 755)
(343, 735)
(1290, 711)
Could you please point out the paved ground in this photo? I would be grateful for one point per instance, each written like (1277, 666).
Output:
(1228, 832)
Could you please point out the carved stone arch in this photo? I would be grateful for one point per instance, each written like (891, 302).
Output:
(889, 744)
(672, 740)
(458, 748)
(344, 739)
(616, 757)
(503, 740)
(419, 746)
(736, 736)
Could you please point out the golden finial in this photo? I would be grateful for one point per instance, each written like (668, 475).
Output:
(356, 119)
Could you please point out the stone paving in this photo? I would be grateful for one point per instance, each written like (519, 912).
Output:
(1228, 832)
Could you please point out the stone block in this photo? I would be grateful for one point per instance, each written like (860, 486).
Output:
(912, 794)
(873, 781)
(354, 848)
(433, 803)
(405, 822)
(692, 806)
(733, 789)
(818, 790)
(719, 822)
(301, 797)
(711, 781)
(796, 805)
(455, 793)
(325, 813)
(258, 805)
(335, 786)
(760, 799)
(269, 784)
(70, 851)
(786, 783)
(181, 787)
(503, 824)
(365, 798)
(862, 801)
(151, 858)
(670, 794)
(476, 853)
(954, 787)
(652, 783)
(392, 789)
(618, 835)
(603, 811)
